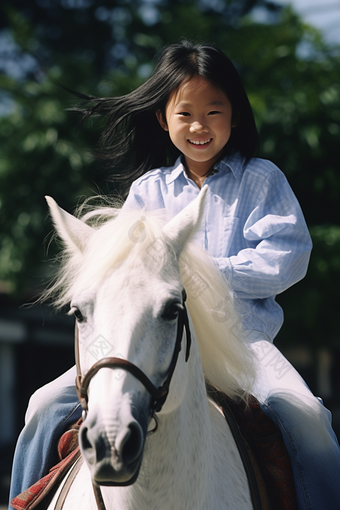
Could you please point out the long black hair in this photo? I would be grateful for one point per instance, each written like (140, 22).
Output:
(133, 142)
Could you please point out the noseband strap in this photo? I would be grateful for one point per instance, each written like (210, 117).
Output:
(158, 395)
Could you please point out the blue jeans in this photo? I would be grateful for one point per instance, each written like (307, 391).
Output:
(51, 410)
(305, 425)
(284, 397)
(313, 449)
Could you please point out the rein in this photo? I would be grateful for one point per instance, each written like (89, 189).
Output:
(159, 395)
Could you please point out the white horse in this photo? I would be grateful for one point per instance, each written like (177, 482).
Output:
(123, 276)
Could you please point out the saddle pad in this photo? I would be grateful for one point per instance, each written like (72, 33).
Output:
(68, 451)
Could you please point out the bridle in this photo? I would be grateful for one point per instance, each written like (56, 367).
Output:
(158, 395)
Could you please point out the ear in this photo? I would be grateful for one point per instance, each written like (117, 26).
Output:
(161, 120)
(75, 233)
(184, 223)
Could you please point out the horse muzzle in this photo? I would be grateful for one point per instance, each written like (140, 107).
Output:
(114, 449)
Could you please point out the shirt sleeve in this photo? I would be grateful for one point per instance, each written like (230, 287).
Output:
(278, 242)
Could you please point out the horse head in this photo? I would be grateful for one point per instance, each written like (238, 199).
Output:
(127, 297)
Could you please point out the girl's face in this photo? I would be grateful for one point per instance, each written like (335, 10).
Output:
(199, 121)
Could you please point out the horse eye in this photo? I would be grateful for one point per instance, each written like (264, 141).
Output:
(171, 311)
(78, 315)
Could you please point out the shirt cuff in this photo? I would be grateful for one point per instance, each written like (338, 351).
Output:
(225, 267)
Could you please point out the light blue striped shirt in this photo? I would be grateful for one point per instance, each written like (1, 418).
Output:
(253, 227)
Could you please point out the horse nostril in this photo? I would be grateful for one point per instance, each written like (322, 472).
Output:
(84, 439)
(132, 443)
(94, 451)
(86, 445)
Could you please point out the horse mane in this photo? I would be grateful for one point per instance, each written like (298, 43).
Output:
(226, 358)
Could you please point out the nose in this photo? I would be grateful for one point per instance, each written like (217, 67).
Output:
(198, 127)
(112, 461)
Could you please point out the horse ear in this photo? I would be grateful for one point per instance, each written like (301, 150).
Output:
(74, 232)
(184, 223)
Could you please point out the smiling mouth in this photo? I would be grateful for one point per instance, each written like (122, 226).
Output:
(200, 142)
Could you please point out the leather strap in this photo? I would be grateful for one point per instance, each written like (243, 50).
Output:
(69, 481)
(252, 470)
(67, 485)
(124, 364)
(99, 497)
(76, 349)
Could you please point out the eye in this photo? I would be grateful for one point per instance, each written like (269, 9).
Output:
(184, 114)
(171, 311)
(213, 113)
(77, 313)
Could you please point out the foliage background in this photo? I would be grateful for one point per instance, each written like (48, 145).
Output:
(107, 48)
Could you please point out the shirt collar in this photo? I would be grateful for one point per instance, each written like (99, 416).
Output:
(234, 163)
(176, 171)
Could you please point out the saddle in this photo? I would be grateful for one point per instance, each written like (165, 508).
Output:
(258, 439)
(262, 450)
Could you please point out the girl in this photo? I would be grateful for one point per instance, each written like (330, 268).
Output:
(190, 123)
